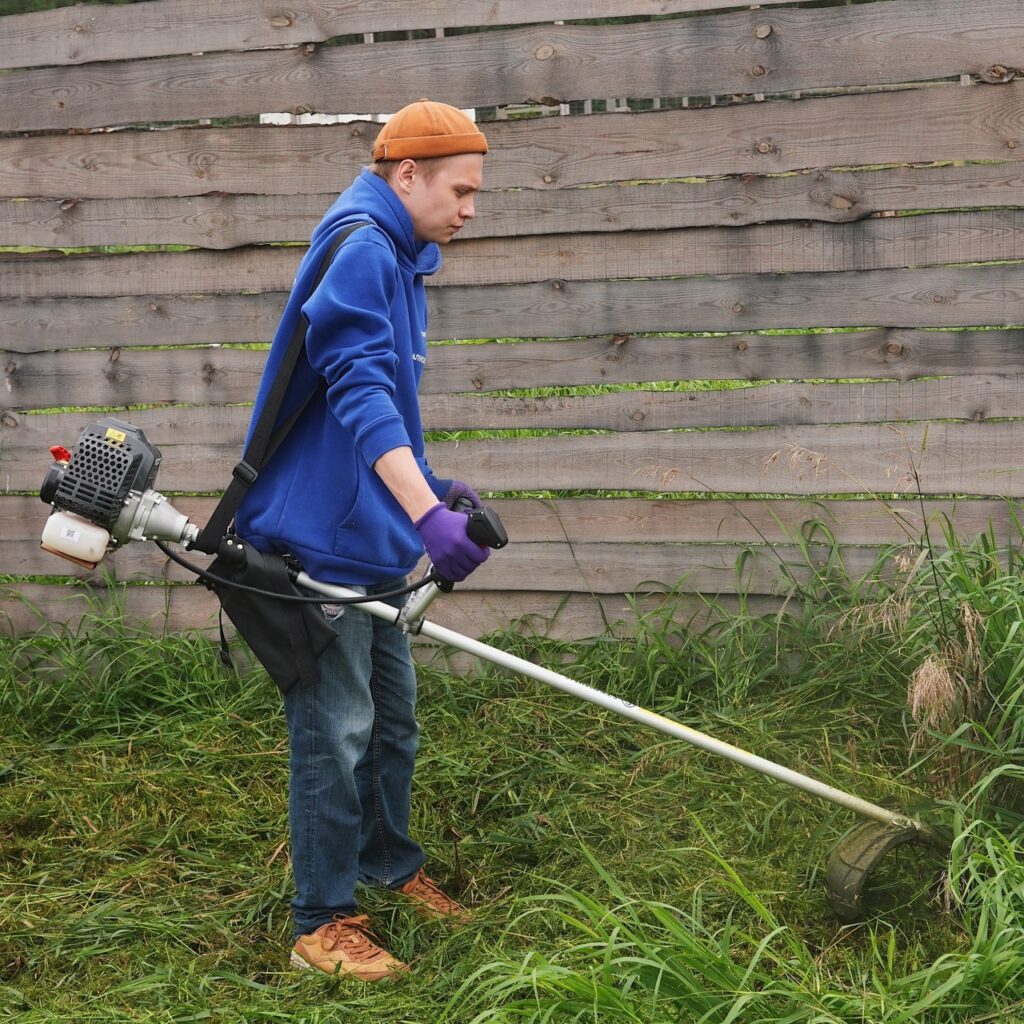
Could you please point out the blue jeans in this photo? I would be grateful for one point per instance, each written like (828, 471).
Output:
(353, 745)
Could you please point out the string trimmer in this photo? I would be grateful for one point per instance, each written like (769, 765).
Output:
(102, 498)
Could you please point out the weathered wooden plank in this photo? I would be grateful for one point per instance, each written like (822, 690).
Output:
(933, 458)
(574, 616)
(592, 566)
(948, 458)
(939, 297)
(183, 273)
(720, 55)
(548, 153)
(942, 297)
(28, 608)
(132, 377)
(623, 359)
(221, 221)
(216, 221)
(37, 325)
(76, 36)
(752, 521)
(214, 376)
(865, 522)
(779, 248)
(966, 398)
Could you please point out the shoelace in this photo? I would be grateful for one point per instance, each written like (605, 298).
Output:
(423, 888)
(351, 932)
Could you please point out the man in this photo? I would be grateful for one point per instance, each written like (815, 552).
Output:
(351, 496)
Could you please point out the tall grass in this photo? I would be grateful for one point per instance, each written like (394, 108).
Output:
(615, 875)
(637, 960)
(951, 628)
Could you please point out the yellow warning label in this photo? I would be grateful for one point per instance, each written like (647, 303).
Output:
(116, 435)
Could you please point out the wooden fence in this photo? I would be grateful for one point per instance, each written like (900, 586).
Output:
(855, 168)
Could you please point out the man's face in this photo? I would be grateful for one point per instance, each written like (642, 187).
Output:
(440, 203)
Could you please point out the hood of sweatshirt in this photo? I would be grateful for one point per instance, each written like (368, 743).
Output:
(370, 197)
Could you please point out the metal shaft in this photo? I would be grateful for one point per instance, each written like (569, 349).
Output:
(625, 709)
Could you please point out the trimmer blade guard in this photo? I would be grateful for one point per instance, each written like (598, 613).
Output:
(857, 854)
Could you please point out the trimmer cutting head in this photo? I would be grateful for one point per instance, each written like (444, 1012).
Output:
(857, 854)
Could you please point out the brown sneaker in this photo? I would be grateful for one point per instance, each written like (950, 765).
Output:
(345, 946)
(430, 901)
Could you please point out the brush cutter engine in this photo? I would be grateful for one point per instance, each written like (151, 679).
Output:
(102, 495)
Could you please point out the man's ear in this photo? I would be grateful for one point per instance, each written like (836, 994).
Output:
(405, 175)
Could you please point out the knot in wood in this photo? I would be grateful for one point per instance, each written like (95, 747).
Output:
(544, 52)
(9, 420)
(998, 74)
(838, 202)
(557, 285)
(309, 49)
(763, 31)
(115, 355)
(210, 373)
(741, 346)
(203, 162)
(11, 369)
(758, 70)
(478, 383)
(549, 179)
(284, 20)
(765, 147)
(638, 415)
(738, 307)
(894, 348)
(977, 416)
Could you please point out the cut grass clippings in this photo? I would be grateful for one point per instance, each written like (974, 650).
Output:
(614, 875)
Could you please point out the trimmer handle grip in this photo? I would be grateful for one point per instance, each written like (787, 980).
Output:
(484, 528)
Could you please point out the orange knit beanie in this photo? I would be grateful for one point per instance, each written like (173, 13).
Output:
(426, 129)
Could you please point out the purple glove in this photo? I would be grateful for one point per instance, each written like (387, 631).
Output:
(460, 490)
(449, 491)
(444, 535)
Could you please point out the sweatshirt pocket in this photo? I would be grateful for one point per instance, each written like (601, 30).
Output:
(376, 531)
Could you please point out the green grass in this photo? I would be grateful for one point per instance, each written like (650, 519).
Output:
(616, 875)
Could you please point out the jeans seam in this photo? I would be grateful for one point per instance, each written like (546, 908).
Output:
(378, 808)
(310, 817)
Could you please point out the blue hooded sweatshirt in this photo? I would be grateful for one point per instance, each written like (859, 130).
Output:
(319, 497)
